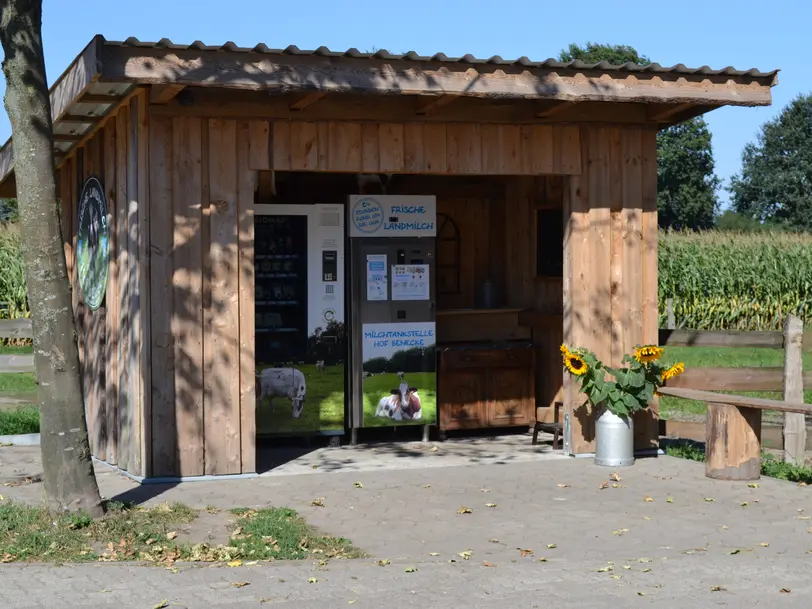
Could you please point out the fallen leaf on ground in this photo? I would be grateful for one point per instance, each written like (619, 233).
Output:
(351, 602)
(785, 590)
(493, 540)
(709, 499)
(614, 476)
(643, 560)
(434, 449)
(648, 499)
(161, 605)
(485, 490)
(427, 486)
(620, 531)
(641, 594)
(358, 485)
(670, 500)
(718, 589)
(526, 552)
(627, 567)
(410, 569)
(725, 527)
(616, 576)
(104, 591)
(752, 485)
(563, 485)
(615, 485)
(744, 504)
(235, 563)
(383, 563)
(171, 535)
(488, 564)
(318, 502)
(606, 569)
(647, 570)
(551, 546)
(603, 485)
(315, 466)
(465, 555)
(804, 517)
(542, 559)
(490, 505)
(764, 544)
(646, 517)
(312, 580)
(241, 584)
(434, 553)
(464, 510)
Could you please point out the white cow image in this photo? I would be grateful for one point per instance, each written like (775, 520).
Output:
(284, 382)
(402, 405)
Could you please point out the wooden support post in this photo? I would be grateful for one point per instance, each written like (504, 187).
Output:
(794, 422)
(672, 322)
(733, 442)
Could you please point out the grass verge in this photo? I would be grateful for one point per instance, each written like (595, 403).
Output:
(20, 420)
(151, 534)
(770, 466)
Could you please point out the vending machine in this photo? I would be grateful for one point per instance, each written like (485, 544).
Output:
(300, 338)
(393, 378)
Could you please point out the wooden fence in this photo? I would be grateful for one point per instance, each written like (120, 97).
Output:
(16, 329)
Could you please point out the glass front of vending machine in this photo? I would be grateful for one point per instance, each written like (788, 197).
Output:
(300, 338)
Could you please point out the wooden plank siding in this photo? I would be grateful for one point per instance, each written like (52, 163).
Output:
(610, 257)
(106, 337)
(424, 148)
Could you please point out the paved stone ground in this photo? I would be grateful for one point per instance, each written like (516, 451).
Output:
(671, 554)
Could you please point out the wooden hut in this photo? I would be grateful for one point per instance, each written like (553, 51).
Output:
(546, 172)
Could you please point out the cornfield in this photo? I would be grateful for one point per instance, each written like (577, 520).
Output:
(13, 302)
(735, 281)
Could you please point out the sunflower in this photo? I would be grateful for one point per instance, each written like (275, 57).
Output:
(575, 364)
(648, 353)
(564, 350)
(673, 371)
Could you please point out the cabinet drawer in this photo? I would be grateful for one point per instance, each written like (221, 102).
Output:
(484, 358)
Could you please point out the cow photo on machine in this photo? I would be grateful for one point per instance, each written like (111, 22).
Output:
(299, 319)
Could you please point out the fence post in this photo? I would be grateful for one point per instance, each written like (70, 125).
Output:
(794, 422)
(669, 307)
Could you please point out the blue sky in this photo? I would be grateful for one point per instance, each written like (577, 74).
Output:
(745, 34)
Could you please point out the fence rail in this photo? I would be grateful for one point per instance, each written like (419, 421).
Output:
(16, 328)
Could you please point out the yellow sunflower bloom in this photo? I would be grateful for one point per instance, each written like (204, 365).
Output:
(673, 371)
(564, 350)
(648, 353)
(575, 364)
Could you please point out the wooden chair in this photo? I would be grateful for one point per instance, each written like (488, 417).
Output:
(555, 428)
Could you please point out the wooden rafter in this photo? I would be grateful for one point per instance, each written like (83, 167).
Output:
(555, 108)
(79, 119)
(663, 114)
(95, 98)
(307, 99)
(162, 94)
(427, 104)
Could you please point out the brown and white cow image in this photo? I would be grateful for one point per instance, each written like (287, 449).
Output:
(402, 405)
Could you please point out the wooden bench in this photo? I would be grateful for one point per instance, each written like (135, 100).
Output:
(733, 430)
(554, 428)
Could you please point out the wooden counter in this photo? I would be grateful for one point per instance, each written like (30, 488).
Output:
(486, 384)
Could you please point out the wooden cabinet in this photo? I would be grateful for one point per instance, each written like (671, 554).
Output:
(488, 386)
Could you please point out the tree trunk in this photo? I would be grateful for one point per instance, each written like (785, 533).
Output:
(70, 483)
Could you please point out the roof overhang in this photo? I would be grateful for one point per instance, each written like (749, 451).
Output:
(106, 72)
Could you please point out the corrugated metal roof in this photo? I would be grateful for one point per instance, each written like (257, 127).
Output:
(496, 60)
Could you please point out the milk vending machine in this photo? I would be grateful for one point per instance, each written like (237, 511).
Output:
(301, 346)
(393, 378)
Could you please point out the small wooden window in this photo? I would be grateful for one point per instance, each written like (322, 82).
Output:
(550, 242)
(448, 255)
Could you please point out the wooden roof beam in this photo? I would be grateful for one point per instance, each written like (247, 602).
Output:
(307, 99)
(163, 94)
(80, 119)
(556, 108)
(427, 104)
(662, 114)
(67, 137)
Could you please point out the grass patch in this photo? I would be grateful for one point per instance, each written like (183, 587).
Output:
(155, 535)
(770, 466)
(16, 350)
(281, 534)
(18, 382)
(31, 534)
(20, 420)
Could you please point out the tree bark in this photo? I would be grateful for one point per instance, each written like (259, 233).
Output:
(70, 483)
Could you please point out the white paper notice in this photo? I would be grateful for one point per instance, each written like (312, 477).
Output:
(410, 282)
(376, 277)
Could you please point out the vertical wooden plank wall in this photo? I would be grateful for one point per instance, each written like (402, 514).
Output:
(201, 284)
(610, 258)
(107, 338)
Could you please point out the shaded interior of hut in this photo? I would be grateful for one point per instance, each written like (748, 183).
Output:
(498, 285)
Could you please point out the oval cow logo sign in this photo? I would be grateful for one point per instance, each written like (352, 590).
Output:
(92, 243)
